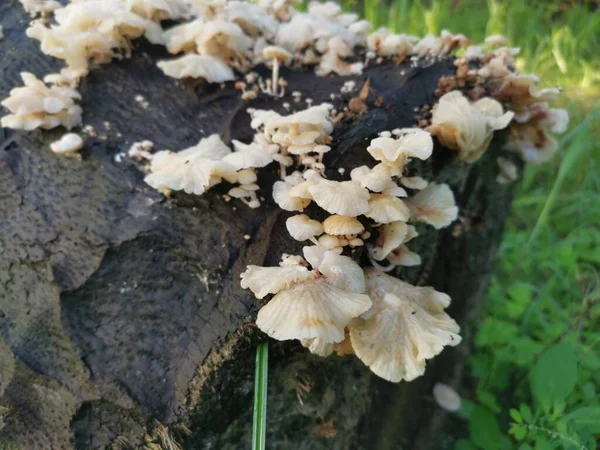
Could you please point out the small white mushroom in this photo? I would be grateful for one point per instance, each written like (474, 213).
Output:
(278, 55)
(67, 145)
(411, 143)
(376, 179)
(208, 67)
(446, 397)
(387, 209)
(416, 183)
(434, 205)
(346, 198)
(507, 171)
(301, 227)
(341, 226)
(390, 236)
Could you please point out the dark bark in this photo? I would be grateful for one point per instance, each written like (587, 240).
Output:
(119, 307)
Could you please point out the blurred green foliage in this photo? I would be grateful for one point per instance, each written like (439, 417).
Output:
(535, 366)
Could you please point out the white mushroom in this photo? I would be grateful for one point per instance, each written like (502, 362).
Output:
(416, 183)
(286, 199)
(346, 198)
(193, 170)
(342, 226)
(411, 143)
(446, 397)
(312, 305)
(376, 179)
(467, 127)
(278, 55)
(38, 106)
(387, 209)
(301, 227)
(434, 205)
(210, 68)
(318, 346)
(390, 237)
(67, 145)
(405, 327)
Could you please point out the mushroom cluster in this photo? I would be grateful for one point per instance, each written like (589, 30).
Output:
(35, 105)
(324, 298)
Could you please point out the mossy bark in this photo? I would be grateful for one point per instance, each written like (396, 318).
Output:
(120, 308)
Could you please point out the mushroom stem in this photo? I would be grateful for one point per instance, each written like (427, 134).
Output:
(275, 74)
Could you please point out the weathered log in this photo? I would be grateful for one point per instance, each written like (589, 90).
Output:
(119, 308)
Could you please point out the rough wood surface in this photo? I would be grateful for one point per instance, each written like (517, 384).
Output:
(119, 307)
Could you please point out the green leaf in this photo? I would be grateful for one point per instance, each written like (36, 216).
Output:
(495, 331)
(488, 400)
(554, 375)
(516, 415)
(519, 432)
(526, 413)
(485, 431)
(259, 429)
(587, 417)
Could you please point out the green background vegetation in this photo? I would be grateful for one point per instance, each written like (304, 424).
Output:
(534, 377)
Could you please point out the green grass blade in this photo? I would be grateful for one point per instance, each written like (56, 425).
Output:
(578, 148)
(259, 428)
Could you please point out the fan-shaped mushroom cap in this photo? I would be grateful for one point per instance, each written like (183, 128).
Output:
(275, 52)
(210, 68)
(434, 205)
(271, 280)
(379, 284)
(286, 199)
(193, 170)
(346, 198)
(182, 38)
(387, 209)
(251, 156)
(157, 10)
(521, 89)
(333, 59)
(390, 237)
(329, 242)
(341, 225)
(224, 40)
(301, 128)
(467, 127)
(395, 190)
(301, 227)
(411, 143)
(405, 326)
(318, 346)
(376, 179)
(312, 309)
(252, 18)
(532, 141)
(416, 183)
(402, 256)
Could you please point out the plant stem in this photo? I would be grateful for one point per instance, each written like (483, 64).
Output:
(259, 428)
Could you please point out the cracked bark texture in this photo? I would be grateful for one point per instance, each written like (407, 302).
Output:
(119, 307)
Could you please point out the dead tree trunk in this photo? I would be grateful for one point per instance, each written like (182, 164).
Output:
(120, 308)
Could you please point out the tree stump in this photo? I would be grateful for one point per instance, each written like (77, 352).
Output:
(121, 310)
